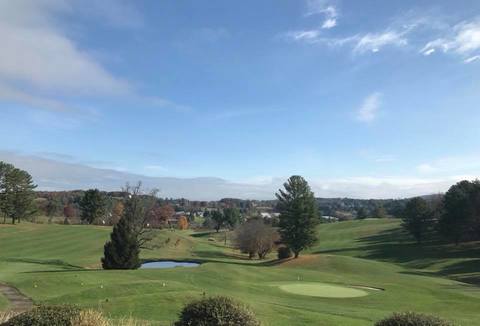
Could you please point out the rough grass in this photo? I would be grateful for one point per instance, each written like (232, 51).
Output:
(59, 264)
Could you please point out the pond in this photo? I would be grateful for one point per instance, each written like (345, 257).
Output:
(169, 264)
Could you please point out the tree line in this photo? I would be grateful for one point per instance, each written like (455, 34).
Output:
(454, 217)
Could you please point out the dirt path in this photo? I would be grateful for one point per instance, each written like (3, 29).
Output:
(18, 301)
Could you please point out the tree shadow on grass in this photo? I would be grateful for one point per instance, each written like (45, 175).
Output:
(397, 246)
(51, 262)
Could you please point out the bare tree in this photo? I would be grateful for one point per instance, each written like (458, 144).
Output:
(255, 238)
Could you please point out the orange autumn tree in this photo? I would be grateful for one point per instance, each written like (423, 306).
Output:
(182, 223)
(117, 212)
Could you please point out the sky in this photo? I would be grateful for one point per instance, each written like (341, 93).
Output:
(381, 94)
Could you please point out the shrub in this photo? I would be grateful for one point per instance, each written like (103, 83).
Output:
(90, 318)
(216, 311)
(6, 316)
(412, 319)
(284, 252)
(45, 316)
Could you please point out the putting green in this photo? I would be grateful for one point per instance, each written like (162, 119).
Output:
(322, 290)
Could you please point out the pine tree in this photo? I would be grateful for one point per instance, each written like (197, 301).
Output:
(298, 215)
(129, 234)
(122, 251)
(16, 193)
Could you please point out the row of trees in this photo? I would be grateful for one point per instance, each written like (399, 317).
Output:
(16, 193)
(455, 216)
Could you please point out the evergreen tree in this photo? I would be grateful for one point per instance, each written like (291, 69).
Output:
(298, 215)
(417, 218)
(16, 193)
(92, 206)
(362, 213)
(129, 235)
(461, 218)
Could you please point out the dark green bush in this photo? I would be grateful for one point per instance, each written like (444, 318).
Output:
(412, 319)
(45, 316)
(216, 311)
(284, 252)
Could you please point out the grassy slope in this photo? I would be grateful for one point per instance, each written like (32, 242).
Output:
(52, 257)
(385, 240)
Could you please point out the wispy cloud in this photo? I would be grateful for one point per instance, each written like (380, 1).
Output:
(370, 108)
(41, 65)
(373, 42)
(463, 39)
(325, 8)
(472, 59)
(359, 43)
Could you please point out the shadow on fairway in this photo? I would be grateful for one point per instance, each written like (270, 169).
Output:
(396, 246)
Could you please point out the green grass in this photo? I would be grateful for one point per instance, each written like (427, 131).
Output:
(322, 290)
(63, 263)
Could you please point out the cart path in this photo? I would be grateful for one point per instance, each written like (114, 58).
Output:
(18, 301)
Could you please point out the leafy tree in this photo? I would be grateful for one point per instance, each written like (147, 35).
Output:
(117, 212)
(362, 213)
(69, 211)
(130, 234)
(218, 219)
(53, 207)
(461, 204)
(417, 218)
(182, 223)
(16, 193)
(298, 214)
(379, 212)
(160, 215)
(231, 216)
(92, 205)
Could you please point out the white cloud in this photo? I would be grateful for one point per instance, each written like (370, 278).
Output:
(41, 65)
(36, 53)
(53, 174)
(472, 59)
(307, 36)
(370, 107)
(451, 165)
(373, 42)
(426, 168)
(463, 40)
(329, 23)
(323, 7)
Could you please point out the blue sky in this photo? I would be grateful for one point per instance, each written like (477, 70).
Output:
(373, 92)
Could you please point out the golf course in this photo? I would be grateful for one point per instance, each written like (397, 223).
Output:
(357, 273)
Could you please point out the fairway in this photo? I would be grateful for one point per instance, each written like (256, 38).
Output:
(322, 290)
(56, 264)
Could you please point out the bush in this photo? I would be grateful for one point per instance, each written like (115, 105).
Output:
(45, 316)
(90, 318)
(284, 252)
(412, 319)
(216, 311)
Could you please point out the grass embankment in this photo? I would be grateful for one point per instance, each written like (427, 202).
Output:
(59, 264)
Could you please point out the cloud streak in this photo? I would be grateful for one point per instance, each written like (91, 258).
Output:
(463, 40)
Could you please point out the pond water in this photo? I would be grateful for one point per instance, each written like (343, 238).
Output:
(169, 264)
